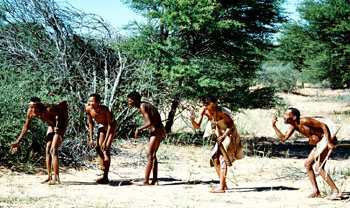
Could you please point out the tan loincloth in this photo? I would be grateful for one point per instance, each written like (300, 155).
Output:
(232, 143)
(322, 145)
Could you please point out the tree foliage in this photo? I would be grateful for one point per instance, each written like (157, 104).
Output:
(319, 44)
(49, 49)
(205, 47)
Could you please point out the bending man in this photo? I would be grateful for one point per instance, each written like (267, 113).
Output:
(228, 147)
(56, 116)
(106, 131)
(314, 130)
(154, 123)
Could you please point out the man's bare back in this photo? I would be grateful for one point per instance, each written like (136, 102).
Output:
(154, 116)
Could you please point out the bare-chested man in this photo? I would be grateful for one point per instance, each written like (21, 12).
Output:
(56, 116)
(227, 140)
(154, 123)
(314, 130)
(106, 131)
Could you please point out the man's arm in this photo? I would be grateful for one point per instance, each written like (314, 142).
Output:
(147, 119)
(23, 132)
(91, 127)
(228, 130)
(279, 133)
(192, 117)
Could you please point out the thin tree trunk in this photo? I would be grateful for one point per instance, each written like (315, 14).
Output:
(171, 115)
(106, 81)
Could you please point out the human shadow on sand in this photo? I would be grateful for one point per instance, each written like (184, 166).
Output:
(345, 196)
(138, 181)
(263, 188)
(78, 183)
(298, 148)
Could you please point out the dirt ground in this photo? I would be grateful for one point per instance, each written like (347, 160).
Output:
(272, 174)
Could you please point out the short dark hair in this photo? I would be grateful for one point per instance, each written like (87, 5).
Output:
(35, 100)
(135, 96)
(96, 96)
(209, 99)
(295, 112)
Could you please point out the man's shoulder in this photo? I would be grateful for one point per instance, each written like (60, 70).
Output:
(145, 105)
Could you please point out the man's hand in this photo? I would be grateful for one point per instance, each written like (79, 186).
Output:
(192, 117)
(91, 144)
(220, 139)
(103, 146)
(136, 134)
(56, 130)
(274, 121)
(14, 147)
(331, 146)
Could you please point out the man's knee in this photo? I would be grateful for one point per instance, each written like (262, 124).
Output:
(151, 156)
(308, 164)
(53, 151)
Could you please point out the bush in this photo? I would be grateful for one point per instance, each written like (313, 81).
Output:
(282, 77)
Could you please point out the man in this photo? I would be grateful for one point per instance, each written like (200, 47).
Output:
(154, 123)
(228, 147)
(56, 116)
(314, 130)
(106, 131)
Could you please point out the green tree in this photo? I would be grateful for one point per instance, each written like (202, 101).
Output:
(205, 47)
(319, 45)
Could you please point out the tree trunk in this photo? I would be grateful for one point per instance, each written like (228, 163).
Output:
(171, 115)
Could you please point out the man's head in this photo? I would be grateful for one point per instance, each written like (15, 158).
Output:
(35, 100)
(35, 103)
(94, 100)
(210, 103)
(134, 99)
(292, 114)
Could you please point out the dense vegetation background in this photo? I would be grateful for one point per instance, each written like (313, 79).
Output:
(184, 51)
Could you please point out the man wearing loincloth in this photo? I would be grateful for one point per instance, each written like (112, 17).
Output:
(107, 127)
(154, 123)
(228, 147)
(314, 130)
(56, 116)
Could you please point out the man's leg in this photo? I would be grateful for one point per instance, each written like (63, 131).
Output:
(56, 142)
(49, 138)
(308, 165)
(336, 193)
(158, 136)
(101, 156)
(48, 162)
(107, 156)
(151, 157)
(222, 176)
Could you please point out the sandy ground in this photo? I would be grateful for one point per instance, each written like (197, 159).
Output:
(272, 173)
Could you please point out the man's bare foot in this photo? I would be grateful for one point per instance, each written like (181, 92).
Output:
(335, 196)
(45, 181)
(143, 184)
(218, 189)
(54, 182)
(155, 183)
(102, 180)
(314, 195)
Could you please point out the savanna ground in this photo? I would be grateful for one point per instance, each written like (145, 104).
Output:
(272, 174)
